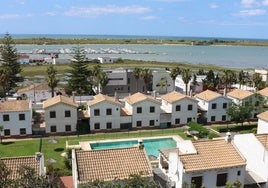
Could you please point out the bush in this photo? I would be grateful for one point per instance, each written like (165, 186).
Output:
(236, 128)
(202, 132)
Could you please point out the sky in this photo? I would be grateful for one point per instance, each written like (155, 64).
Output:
(183, 18)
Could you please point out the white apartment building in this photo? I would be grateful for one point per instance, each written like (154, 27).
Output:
(263, 73)
(104, 113)
(262, 123)
(60, 115)
(16, 118)
(182, 108)
(212, 106)
(181, 86)
(144, 109)
(264, 94)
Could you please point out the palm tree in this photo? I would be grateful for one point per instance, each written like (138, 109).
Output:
(174, 73)
(52, 80)
(242, 78)
(228, 78)
(163, 82)
(186, 77)
(137, 75)
(256, 79)
(1, 129)
(102, 80)
(146, 75)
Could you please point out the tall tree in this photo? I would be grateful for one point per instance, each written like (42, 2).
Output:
(242, 78)
(257, 80)
(174, 73)
(137, 75)
(4, 80)
(102, 80)
(52, 80)
(228, 78)
(147, 77)
(80, 74)
(239, 113)
(10, 62)
(186, 77)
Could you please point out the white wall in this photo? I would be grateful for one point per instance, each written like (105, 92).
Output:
(157, 76)
(262, 126)
(60, 121)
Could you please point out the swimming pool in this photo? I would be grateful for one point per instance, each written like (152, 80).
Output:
(151, 145)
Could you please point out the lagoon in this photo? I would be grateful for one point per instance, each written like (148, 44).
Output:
(241, 57)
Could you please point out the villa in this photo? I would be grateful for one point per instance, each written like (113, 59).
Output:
(16, 118)
(264, 94)
(262, 123)
(212, 106)
(208, 163)
(180, 107)
(60, 115)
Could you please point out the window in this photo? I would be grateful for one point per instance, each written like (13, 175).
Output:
(238, 172)
(189, 120)
(5, 117)
(138, 123)
(96, 112)
(190, 107)
(52, 114)
(67, 113)
(223, 118)
(221, 179)
(224, 105)
(177, 121)
(7, 132)
(108, 125)
(22, 131)
(151, 122)
(97, 126)
(108, 111)
(53, 129)
(212, 118)
(197, 181)
(214, 105)
(68, 128)
(139, 110)
(178, 107)
(152, 109)
(21, 117)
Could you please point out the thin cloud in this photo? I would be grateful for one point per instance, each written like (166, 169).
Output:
(253, 12)
(112, 9)
(265, 2)
(9, 16)
(249, 3)
(213, 6)
(51, 14)
(148, 18)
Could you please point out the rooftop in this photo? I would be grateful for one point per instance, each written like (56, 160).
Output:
(100, 98)
(264, 92)
(240, 94)
(174, 97)
(59, 99)
(14, 105)
(139, 97)
(208, 95)
(112, 163)
(263, 116)
(263, 138)
(14, 164)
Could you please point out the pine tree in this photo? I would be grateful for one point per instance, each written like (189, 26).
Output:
(10, 63)
(80, 74)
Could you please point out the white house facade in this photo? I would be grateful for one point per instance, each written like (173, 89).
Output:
(104, 113)
(16, 118)
(255, 150)
(182, 108)
(262, 123)
(60, 114)
(213, 106)
(145, 110)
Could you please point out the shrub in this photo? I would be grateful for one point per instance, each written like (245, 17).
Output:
(202, 132)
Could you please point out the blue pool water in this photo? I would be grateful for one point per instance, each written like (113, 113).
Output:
(151, 145)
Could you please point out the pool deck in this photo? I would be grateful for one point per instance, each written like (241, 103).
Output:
(85, 145)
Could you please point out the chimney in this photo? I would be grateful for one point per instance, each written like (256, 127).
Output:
(140, 144)
(154, 94)
(115, 96)
(191, 93)
(224, 92)
(228, 137)
(73, 95)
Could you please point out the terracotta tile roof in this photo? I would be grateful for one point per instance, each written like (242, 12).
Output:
(59, 99)
(14, 163)
(208, 95)
(112, 163)
(100, 98)
(263, 138)
(66, 182)
(264, 92)
(139, 97)
(263, 116)
(212, 154)
(124, 112)
(240, 94)
(14, 105)
(34, 87)
(175, 96)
